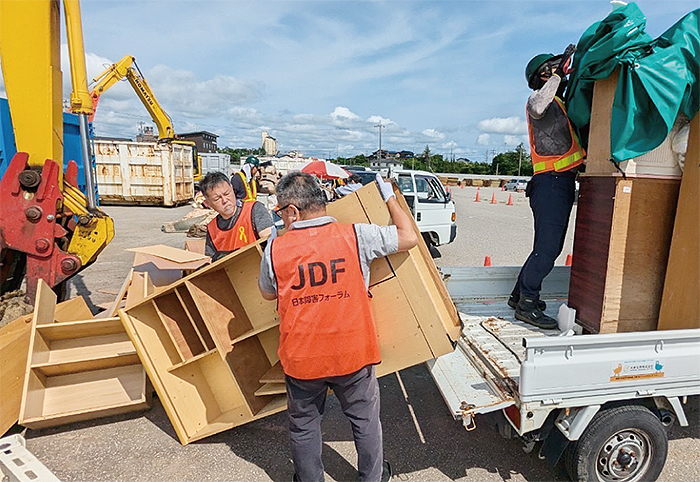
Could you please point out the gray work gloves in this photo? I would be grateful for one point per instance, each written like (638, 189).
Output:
(385, 188)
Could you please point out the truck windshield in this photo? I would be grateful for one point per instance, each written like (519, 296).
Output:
(405, 184)
(429, 189)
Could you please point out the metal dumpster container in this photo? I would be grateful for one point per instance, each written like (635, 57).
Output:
(159, 174)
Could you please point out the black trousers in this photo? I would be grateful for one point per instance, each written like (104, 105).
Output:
(551, 199)
(358, 394)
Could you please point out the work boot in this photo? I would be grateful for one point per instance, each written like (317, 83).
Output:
(515, 297)
(529, 312)
(386, 472)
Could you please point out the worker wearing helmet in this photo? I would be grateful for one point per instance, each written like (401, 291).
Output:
(556, 156)
(238, 223)
(244, 182)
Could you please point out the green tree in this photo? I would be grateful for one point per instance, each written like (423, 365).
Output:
(506, 163)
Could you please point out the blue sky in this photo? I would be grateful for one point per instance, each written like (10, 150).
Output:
(318, 76)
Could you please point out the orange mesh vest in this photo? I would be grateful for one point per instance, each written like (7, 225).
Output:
(326, 321)
(570, 159)
(241, 234)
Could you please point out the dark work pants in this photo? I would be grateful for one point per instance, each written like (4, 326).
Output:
(551, 199)
(358, 394)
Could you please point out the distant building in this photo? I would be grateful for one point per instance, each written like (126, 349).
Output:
(204, 140)
(146, 134)
(388, 159)
(269, 144)
(462, 159)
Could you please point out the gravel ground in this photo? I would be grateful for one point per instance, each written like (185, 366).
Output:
(422, 441)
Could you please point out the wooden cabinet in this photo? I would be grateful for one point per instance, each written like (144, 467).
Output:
(621, 246)
(78, 370)
(209, 342)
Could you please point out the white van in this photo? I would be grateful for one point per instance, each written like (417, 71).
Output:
(432, 207)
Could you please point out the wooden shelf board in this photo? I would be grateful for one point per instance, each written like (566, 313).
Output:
(90, 392)
(65, 367)
(255, 331)
(67, 330)
(194, 359)
(271, 389)
(274, 374)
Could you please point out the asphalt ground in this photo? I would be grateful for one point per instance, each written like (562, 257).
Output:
(421, 439)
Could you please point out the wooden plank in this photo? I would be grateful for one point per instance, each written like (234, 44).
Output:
(646, 246)
(111, 311)
(274, 375)
(14, 351)
(680, 304)
(68, 366)
(598, 159)
(179, 326)
(81, 328)
(591, 246)
(402, 342)
(73, 309)
(271, 389)
(256, 331)
(139, 289)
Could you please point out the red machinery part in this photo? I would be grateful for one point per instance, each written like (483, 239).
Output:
(28, 222)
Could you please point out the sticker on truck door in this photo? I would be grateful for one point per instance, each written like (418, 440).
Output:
(636, 370)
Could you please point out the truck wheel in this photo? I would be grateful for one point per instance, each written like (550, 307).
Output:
(621, 444)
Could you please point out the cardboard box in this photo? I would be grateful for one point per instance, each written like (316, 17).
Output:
(78, 370)
(680, 305)
(621, 245)
(209, 342)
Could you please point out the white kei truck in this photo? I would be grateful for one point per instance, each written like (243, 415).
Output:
(432, 206)
(603, 402)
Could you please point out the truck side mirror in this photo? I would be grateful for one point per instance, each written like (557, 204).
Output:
(448, 197)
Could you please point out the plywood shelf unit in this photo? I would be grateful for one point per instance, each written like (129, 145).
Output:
(209, 341)
(78, 370)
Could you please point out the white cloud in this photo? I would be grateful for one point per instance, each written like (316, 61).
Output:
(341, 114)
(433, 133)
(377, 119)
(503, 125)
(483, 139)
(514, 140)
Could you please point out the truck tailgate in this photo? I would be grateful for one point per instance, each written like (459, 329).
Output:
(482, 373)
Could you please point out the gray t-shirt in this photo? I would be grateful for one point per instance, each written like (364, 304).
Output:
(261, 217)
(372, 241)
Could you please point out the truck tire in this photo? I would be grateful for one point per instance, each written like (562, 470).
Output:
(622, 444)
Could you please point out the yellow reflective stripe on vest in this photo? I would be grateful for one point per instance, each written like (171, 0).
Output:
(539, 166)
(567, 161)
(250, 195)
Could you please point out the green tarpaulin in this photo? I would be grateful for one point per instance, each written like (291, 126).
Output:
(658, 78)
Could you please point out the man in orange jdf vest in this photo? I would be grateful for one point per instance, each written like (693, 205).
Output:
(318, 271)
(556, 156)
(238, 223)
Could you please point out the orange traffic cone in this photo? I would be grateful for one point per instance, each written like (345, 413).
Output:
(476, 199)
(510, 200)
(493, 198)
(487, 261)
(461, 185)
(569, 260)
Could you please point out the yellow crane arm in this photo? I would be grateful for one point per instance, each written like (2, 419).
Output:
(127, 69)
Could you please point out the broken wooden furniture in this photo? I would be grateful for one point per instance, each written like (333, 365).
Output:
(78, 370)
(209, 341)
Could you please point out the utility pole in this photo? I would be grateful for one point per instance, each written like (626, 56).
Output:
(379, 152)
(520, 158)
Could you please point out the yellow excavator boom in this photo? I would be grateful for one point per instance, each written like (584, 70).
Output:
(126, 68)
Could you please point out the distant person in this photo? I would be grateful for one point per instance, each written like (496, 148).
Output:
(353, 184)
(318, 271)
(238, 223)
(244, 182)
(556, 157)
